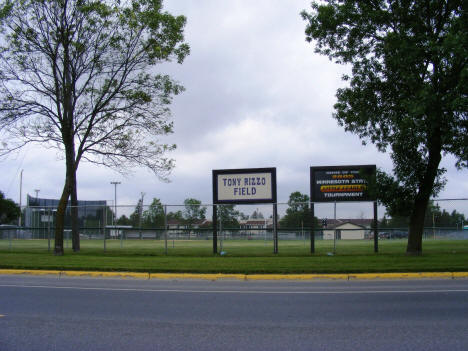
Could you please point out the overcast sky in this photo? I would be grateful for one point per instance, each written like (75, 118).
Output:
(256, 96)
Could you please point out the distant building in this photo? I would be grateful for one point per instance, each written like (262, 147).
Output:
(174, 224)
(255, 223)
(347, 229)
(41, 213)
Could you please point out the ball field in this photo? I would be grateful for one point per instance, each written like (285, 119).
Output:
(237, 256)
(235, 248)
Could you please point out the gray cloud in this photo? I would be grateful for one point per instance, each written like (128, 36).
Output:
(256, 96)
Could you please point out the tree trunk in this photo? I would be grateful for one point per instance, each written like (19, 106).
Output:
(74, 215)
(60, 221)
(68, 130)
(416, 225)
(67, 191)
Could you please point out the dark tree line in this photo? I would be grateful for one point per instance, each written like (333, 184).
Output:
(435, 217)
(9, 210)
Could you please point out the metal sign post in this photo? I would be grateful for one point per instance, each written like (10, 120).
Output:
(334, 232)
(312, 230)
(244, 186)
(215, 229)
(343, 184)
(275, 228)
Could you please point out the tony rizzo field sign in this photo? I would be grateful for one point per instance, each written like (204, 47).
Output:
(341, 183)
(251, 185)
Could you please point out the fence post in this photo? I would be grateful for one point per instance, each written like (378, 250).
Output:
(215, 230)
(121, 236)
(275, 228)
(105, 225)
(376, 230)
(221, 234)
(48, 235)
(165, 229)
(312, 232)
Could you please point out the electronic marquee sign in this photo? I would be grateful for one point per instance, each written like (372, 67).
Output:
(341, 183)
(241, 186)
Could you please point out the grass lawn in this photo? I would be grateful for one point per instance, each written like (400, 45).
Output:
(246, 257)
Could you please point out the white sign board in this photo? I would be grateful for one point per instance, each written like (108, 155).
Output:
(244, 186)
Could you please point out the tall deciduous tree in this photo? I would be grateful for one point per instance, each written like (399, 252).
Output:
(298, 212)
(153, 217)
(407, 90)
(9, 210)
(137, 215)
(256, 214)
(228, 216)
(79, 76)
(194, 211)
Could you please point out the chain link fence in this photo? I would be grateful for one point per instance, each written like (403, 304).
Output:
(243, 230)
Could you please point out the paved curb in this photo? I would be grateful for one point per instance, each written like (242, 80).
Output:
(175, 276)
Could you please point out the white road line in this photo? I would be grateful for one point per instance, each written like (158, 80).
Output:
(347, 292)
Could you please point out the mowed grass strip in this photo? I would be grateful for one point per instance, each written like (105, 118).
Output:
(245, 257)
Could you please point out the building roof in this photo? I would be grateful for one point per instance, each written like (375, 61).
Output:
(256, 221)
(33, 201)
(360, 222)
(173, 221)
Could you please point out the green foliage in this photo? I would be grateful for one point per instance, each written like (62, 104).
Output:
(136, 216)
(298, 212)
(243, 216)
(124, 220)
(87, 76)
(153, 217)
(228, 216)
(79, 76)
(408, 86)
(178, 216)
(409, 75)
(435, 217)
(109, 215)
(243, 257)
(256, 214)
(398, 199)
(9, 210)
(194, 212)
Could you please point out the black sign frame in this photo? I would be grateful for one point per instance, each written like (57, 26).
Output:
(315, 196)
(368, 197)
(216, 201)
(271, 170)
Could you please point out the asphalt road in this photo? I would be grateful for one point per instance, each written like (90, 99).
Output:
(50, 313)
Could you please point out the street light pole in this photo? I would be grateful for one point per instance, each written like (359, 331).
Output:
(37, 204)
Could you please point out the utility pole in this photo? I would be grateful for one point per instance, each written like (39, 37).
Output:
(141, 213)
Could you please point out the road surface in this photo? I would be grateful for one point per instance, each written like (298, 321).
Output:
(51, 313)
